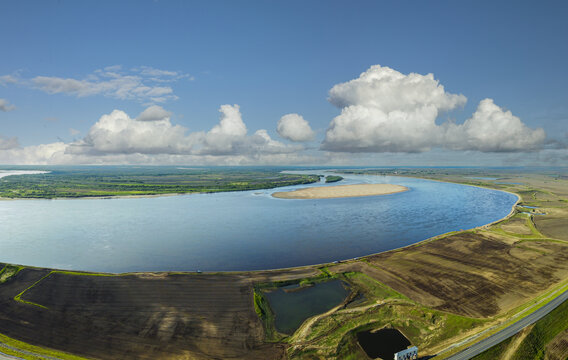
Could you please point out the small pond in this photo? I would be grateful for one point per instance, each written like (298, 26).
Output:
(292, 306)
(382, 343)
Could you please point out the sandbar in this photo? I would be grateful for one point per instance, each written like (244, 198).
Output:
(341, 191)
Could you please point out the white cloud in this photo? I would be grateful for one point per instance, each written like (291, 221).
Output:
(124, 87)
(388, 90)
(386, 111)
(154, 113)
(293, 127)
(225, 137)
(144, 84)
(8, 143)
(6, 106)
(44, 154)
(117, 138)
(8, 79)
(74, 132)
(491, 129)
(117, 133)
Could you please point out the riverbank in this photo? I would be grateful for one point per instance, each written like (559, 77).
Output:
(341, 191)
(433, 306)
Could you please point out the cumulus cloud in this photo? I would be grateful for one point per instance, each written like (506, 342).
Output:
(118, 133)
(6, 106)
(225, 137)
(294, 128)
(491, 129)
(151, 138)
(154, 113)
(43, 154)
(384, 110)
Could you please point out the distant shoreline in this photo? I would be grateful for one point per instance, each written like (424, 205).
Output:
(341, 191)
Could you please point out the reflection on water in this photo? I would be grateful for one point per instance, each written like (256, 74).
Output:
(237, 231)
(383, 343)
(292, 306)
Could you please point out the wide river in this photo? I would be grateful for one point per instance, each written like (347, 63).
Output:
(237, 231)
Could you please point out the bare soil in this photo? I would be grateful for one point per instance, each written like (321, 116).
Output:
(554, 227)
(192, 316)
(472, 274)
(557, 349)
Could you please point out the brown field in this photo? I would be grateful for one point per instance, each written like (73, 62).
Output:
(557, 349)
(473, 274)
(517, 225)
(137, 316)
(554, 227)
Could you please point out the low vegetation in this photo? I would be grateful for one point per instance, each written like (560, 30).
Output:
(76, 182)
(547, 339)
(437, 293)
(333, 178)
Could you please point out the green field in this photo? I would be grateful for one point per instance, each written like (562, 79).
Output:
(76, 182)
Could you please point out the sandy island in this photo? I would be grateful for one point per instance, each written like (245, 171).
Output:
(341, 191)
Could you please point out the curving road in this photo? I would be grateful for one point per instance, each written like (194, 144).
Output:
(510, 330)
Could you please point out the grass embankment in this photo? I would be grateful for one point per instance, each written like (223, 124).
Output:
(77, 182)
(27, 351)
(18, 297)
(265, 312)
(550, 330)
(8, 271)
(371, 305)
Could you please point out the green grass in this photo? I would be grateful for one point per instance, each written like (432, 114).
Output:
(372, 288)
(266, 315)
(333, 178)
(76, 182)
(8, 271)
(335, 335)
(534, 345)
(18, 297)
(39, 351)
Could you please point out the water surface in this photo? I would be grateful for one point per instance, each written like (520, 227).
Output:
(383, 343)
(294, 306)
(247, 230)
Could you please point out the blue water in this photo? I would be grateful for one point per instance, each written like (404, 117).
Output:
(237, 231)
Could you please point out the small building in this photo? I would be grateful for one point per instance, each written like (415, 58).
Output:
(407, 354)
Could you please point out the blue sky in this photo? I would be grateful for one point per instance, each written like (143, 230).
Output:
(66, 64)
